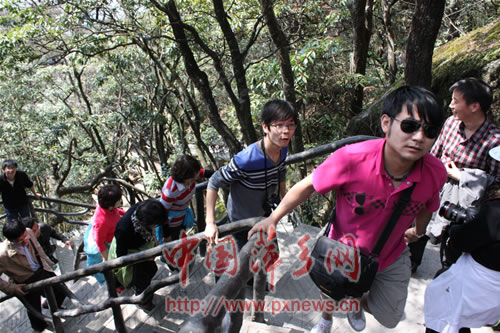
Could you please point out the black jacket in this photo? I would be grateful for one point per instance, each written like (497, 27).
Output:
(126, 237)
(481, 237)
(14, 197)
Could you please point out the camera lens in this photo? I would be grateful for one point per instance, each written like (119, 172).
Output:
(453, 212)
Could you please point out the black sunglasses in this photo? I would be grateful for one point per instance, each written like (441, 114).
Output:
(410, 125)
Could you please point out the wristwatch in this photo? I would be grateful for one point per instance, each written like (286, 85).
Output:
(417, 235)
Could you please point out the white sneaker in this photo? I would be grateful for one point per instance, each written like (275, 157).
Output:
(323, 326)
(357, 320)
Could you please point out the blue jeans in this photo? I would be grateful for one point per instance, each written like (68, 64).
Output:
(13, 213)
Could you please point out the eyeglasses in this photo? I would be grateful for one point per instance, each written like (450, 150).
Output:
(20, 240)
(410, 125)
(282, 127)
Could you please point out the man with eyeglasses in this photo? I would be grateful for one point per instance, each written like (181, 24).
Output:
(463, 145)
(369, 178)
(256, 175)
(23, 261)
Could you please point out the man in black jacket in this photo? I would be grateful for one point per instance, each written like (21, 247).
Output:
(44, 233)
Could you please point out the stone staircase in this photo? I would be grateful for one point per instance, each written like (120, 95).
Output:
(13, 316)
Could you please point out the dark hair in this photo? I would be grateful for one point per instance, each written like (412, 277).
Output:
(277, 110)
(109, 195)
(7, 163)
(185, 167)
(151, 212)
(492, 191)
(474, 90)
(13, 229)
(28, 221)
(424, 101)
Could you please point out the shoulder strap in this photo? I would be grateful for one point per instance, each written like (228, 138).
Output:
(36, 253)
(265, 170)
(326, 230)
(404, 199)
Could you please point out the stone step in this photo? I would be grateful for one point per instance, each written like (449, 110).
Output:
(88, 291)
(13, 318)
(253, 327)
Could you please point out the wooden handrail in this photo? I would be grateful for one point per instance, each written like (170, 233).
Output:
(224, 230)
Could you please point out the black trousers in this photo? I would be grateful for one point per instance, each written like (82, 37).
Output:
(33, 297)
(417, 249)
(143, 274)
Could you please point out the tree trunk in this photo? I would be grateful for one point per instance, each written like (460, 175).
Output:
(199, 78)
(454, 12)
(242, 103)
(159, 129)
(420, 46)
(392, 68)
(179, 89)
(288, 81)
(194, 120)
(362, 25)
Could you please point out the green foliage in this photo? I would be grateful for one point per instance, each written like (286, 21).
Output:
(466, 16)
(317, 208)
(464, 57)
(306, 60)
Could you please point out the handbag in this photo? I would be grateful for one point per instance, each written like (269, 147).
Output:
(125, 274)
(357, 270)
(90, 246)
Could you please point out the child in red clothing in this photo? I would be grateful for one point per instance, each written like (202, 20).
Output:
(101, 231)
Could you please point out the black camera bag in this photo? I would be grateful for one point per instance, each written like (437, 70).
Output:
(339, 284)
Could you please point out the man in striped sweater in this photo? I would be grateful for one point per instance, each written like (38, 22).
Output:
(255, 177)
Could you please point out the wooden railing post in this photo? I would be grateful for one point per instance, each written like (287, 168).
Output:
(117, 311)
(51, 299)
(200, 215)
(228, 287)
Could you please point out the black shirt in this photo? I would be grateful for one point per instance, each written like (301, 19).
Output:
(46, 233)
(14, 197)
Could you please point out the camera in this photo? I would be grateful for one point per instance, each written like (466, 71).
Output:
(457, 214)
(270, 204)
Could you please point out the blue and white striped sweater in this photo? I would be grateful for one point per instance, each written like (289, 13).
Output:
(245, 177)
(248, 167)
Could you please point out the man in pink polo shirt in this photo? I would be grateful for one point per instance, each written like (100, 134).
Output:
(369, 178)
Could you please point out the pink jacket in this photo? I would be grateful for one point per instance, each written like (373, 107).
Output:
(104, 224)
